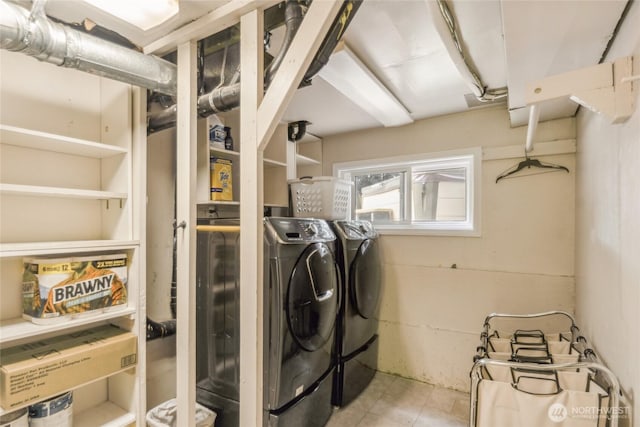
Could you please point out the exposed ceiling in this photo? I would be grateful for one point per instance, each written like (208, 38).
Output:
(510, 43)
(77, 11)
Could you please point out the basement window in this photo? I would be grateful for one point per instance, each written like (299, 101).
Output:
(436, 193)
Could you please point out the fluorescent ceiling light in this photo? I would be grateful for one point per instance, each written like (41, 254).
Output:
(144, 14)
(353, 79)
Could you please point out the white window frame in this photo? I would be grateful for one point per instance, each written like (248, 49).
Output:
(470, 159)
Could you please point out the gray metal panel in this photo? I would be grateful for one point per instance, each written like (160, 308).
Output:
(218, 310)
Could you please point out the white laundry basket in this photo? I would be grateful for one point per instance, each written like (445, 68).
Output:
(322, 197)
(165, 415)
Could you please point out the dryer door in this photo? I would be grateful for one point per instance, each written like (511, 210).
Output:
(312, 297)
(364, 277)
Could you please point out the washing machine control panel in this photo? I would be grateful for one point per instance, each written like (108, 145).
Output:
(357, 230)
(296, 230)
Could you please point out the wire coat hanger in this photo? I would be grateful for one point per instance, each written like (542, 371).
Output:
(529, 163)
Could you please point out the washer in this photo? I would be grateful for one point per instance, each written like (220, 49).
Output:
(357, 326)
(302, 301)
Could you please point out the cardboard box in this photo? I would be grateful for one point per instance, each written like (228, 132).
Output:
(36, 371)
(221, 179)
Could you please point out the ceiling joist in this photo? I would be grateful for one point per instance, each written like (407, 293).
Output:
(211, 23)
(306, 43)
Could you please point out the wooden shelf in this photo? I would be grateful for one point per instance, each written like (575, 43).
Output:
(229, 153)
(106, 414)
(8, 250)
(18, 328)
(304, 160)
(224, 152)
(58, 186)
(220, 202)
(309, 137)
(62, 192)
(27, 138)
(274, 163)
(102, 414)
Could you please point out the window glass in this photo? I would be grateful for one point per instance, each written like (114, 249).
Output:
(435, 192)
(439, 195)
(379, 197)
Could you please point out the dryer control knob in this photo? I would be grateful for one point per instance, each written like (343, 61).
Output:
(311, 229)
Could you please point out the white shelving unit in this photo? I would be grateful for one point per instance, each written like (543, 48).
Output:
(214, 151)
(275, 163)
(306, 161)
(309, 156)
(105, 414)
(69, 193)
(70, 181)
(28, 138)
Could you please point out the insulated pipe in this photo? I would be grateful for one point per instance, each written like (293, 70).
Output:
(349, 9)
(224, 98)
(227, 98)
(293, 18)
(48, 41)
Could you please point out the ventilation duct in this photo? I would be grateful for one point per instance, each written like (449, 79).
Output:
(32, 33)
(226, 98)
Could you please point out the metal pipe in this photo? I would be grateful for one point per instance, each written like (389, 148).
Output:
(534, 117)
(227, 98)
(35, 35)
(293, 18)
(344, 18)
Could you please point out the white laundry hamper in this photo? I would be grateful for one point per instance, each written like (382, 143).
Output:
(165, 415)
(321, 197)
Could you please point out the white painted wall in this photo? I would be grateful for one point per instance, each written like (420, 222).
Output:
(431, 312)
(608, 229)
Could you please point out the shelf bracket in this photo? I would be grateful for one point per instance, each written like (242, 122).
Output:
(605, 88)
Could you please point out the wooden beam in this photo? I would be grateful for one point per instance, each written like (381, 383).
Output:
(139, 184)
(211, 23)
(251, 228)
(186, 136)
(305, 44)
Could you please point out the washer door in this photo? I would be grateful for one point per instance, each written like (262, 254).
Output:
(364, 279)
(312, 297)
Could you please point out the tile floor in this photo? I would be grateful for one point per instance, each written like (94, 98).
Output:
(391, 401)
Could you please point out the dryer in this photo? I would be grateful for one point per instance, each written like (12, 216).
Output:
(302, 293)
(357, 325)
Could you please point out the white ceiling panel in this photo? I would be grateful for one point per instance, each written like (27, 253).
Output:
(509, 42)
(480, 26)
(399, 44)
(544, 38)
(328, 110)
(75, 11)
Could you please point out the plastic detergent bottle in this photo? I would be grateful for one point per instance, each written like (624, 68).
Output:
(228, 139)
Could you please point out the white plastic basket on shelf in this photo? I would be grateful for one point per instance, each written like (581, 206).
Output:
(323, 197)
